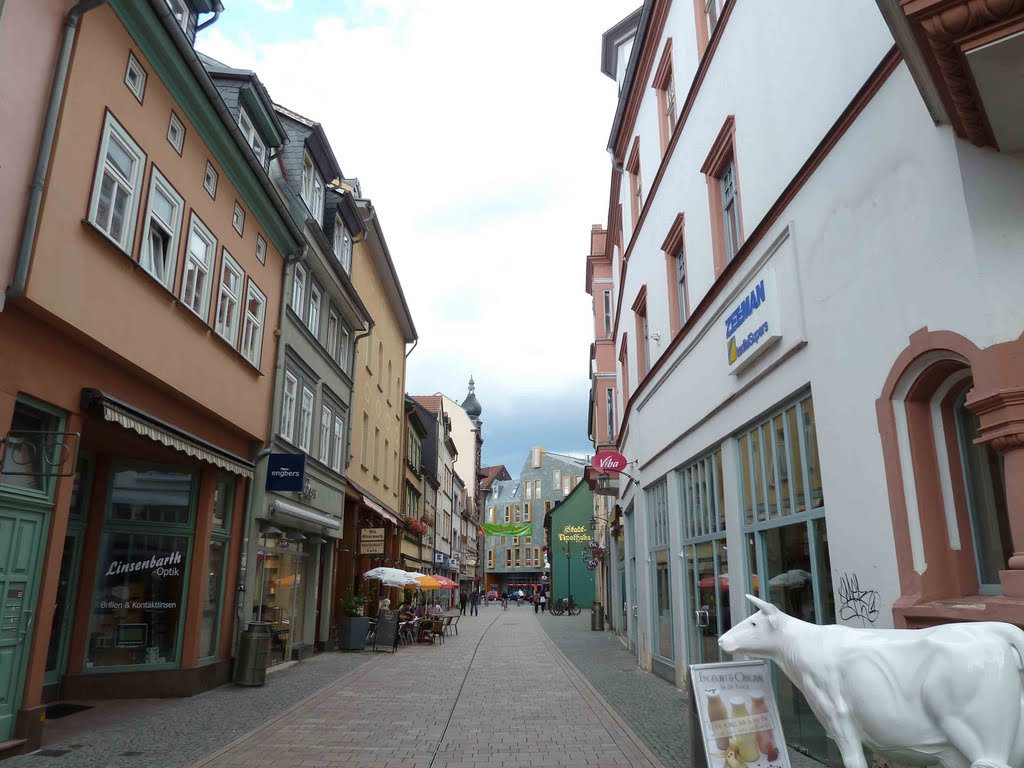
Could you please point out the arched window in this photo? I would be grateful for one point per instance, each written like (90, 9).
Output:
(985, 489)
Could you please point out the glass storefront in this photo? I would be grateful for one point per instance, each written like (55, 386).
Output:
(138, 611)
(213, 593)
(661, 589)
(787, 542)
(281, 577)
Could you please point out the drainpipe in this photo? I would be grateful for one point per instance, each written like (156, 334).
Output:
(35, 197)
(208, 22)
(414, 343)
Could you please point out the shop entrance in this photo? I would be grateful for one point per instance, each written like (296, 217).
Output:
(21, 544)
(281, 580)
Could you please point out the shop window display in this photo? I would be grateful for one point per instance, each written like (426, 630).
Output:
(280, 574)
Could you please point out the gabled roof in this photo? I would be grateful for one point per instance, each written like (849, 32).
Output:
(302, 129)
(489, 474)
(243, 87)
(431, 402)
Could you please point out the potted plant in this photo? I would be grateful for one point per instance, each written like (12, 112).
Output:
(353, 625)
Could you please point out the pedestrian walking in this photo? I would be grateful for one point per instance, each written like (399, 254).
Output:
(536, 603)
(474, 604)
(543, 601)
(463, 599)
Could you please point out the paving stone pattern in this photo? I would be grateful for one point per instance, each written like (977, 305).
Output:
(177, 732)
(499, 694)
(653, 708)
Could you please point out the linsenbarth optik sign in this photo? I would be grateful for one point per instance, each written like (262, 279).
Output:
(169, 565)
(752, 323)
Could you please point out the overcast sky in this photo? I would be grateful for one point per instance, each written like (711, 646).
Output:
(478, 128)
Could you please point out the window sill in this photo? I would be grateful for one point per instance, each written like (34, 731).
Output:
(965, 608)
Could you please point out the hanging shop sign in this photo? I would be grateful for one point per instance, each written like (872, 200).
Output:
(371, 541)
(608, 461)
(286, 472)
(738, 717)
(752, 323)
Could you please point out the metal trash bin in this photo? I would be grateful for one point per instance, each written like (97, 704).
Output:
(253, 654)
(597, 617)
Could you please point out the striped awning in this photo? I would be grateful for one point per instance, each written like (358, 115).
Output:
(124, 415)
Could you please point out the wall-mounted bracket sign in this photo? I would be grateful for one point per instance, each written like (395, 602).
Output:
(371, 541)
(737, 715)
(751, 323)
(286, 472)
(608, 461)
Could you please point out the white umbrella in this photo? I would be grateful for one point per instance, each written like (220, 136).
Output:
(794, 577)
(389, 577)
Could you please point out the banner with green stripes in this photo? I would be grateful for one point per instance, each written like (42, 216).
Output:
(507, 529)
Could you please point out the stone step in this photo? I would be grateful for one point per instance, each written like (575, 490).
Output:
(11, 748)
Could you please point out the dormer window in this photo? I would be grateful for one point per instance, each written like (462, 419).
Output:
(342, 245)
(312, 188)
(252, 138)
(179, 10)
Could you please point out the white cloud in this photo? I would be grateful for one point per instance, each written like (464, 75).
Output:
(479, 131)
(277, 5)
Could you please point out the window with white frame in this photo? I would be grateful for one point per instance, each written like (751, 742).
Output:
(332, 332)
(730, 210)
(252, 137)
(238, 219)
(199, 255)
(252, 328)
(306, 419)
(312, 188)
(325, 434)
(289, 400)
(338, 437)
(607, 313)
(160, 234)
(713, 12)
(176, 133)
(210, 180)
(344, 348)
(261, 249)
(342, 244)
(135, 77)
(115, 191)
(299, 290)
(229, 299)
(315, 299)
(557, 478)
(609, 408)
(179, 10)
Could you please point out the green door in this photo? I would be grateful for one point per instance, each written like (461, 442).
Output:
(21, 535)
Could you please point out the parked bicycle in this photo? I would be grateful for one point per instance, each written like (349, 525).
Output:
(565, 605)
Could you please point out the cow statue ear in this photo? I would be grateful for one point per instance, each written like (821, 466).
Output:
(766, 608)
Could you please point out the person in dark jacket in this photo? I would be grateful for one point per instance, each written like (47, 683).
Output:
(463, 599)
(474, 604)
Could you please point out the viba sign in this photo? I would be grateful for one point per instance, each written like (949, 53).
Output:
(752, 322)
(608, 461)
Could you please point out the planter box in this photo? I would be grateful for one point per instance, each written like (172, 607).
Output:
(352, 632)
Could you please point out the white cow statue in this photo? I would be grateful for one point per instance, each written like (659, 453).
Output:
(951, 694)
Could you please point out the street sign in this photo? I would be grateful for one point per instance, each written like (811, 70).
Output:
(286, 472)
(609, 461)
(371, 541)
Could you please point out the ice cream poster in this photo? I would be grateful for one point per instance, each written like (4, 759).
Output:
(739, 718)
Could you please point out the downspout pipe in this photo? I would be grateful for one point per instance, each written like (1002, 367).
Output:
(414, 343)
(208, 22)
(49, 132)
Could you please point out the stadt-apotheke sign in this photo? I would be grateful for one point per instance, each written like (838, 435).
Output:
(608, 461)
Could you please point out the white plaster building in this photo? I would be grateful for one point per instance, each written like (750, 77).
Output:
(814, 236)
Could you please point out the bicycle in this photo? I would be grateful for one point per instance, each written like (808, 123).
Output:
(566, 604)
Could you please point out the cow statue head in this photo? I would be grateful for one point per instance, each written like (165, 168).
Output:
(756, 635)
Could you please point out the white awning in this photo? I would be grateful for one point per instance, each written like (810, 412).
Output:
(128, 417)
(304, 514)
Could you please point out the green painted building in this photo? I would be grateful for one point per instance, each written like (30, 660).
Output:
(569, 539)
